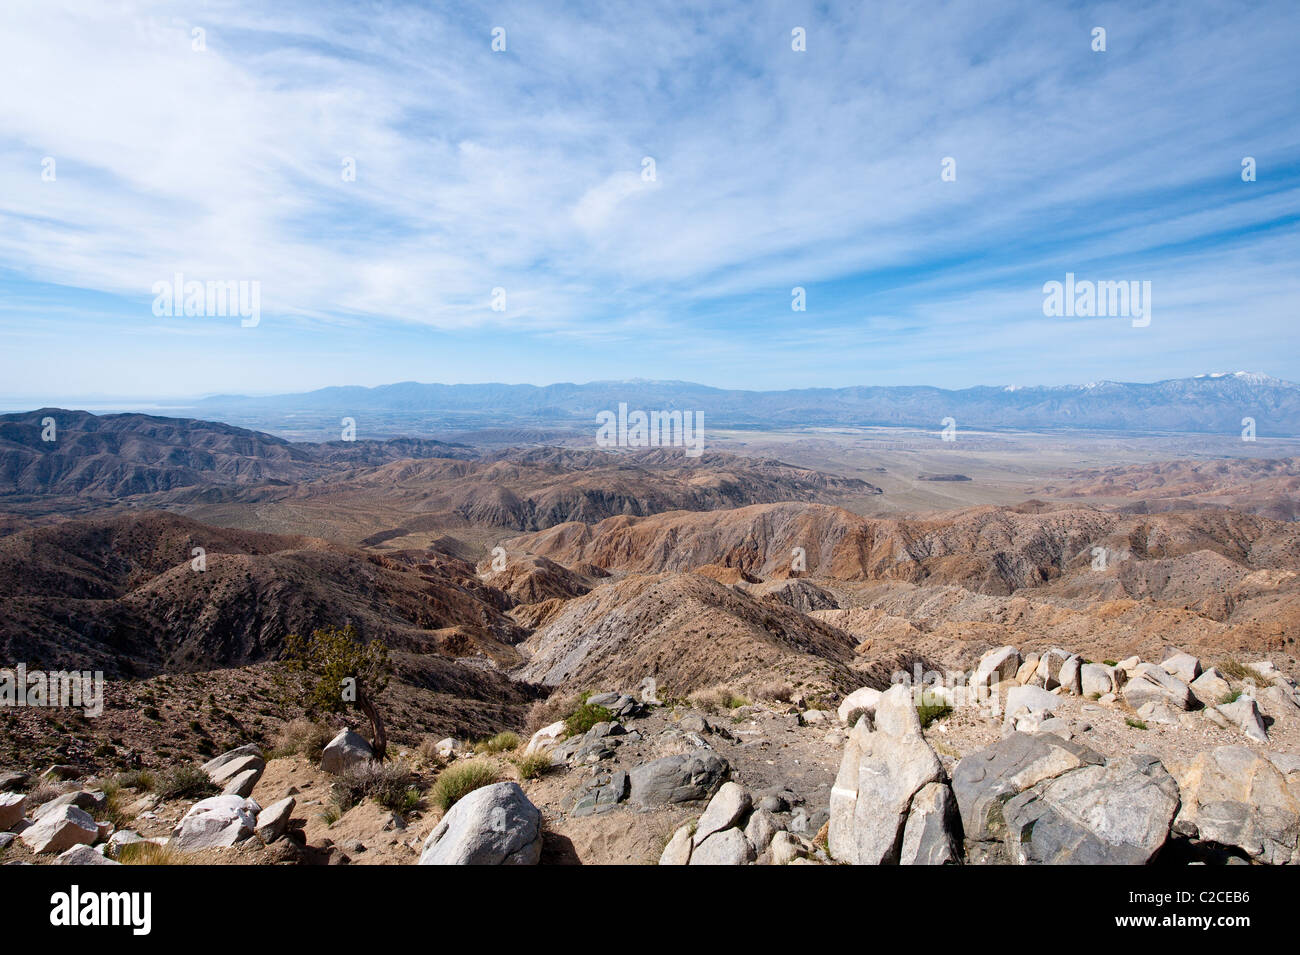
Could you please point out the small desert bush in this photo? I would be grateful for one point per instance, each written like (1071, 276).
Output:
(779, 692)
(534, 765)
(1232, 697)
(1136, 724)
(585, 717)
(390, 784)
(718, 698)
(497, 744)
(185, 782)
(1236, 670)
(428, 751)
(150, 853)
(301, 737)
(456, 782)
(139, 779)
(929, 712)
(554, 708)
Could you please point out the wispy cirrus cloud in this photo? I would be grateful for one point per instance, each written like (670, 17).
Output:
(523, 170)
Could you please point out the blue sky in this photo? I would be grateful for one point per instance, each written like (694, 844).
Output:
(522, 170)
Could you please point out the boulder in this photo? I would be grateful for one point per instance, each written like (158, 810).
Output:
(1030, 699)
(1235, 798)
(602, 794)
(983, 781)
(1244, 714)
(544, 738)
(1210, 687)
(688, 777)
(786, 847)
(91, 801)
(725, 809)
(1069, 676)
(215, 822)
(13, 779)
(61, 829)
(929, 838)
(1048, 674)
(1027, 669)
(1184, 666)
(1158, 711)
(1276, 701)
(882, 768)
(760, 829)
(232, 769)
(273, 821)
(493, 825)
(678, 850)
(450, 746)
(996, 666)
(242, 785)
(1154, 683)
(345, 751)
(865, 698)
(83, 855)
(1116, 814)
(120, 839)
(729, 847)
(1096, 679)
(212, 765)
(12, 807)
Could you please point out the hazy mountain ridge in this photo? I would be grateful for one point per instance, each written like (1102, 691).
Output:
(1206, 403)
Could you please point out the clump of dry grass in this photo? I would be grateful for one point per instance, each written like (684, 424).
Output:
(456, 782)
(150, 853)
(301, 737)
(718, 698)
(554, 708)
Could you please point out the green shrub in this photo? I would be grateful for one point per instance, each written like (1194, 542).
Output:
(391, 784)
(533, 766)
(456, 782)
(929, 712)
(185, 782)
(585, 717)
(498, 744)
(1136, 724)
(1230, 697)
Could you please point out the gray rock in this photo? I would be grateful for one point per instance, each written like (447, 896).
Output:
(345, 751)
(1048, 674)
(234, 768)
(215, 822)
(1233, 797)
(996, 666)
(1210, 687)
(786, 847)
(983, 781)
(760, 829)
(865, 699)
(6, 838)
(13, 779)
(273, 821)
(121, 838)
(1117, 814)
(1244, 714)
(688, 777)
(678, 850)
(1070, 676)
(493, 825)
(92, 801)
(1097, 679)
(725, 809)
(212, 765)
(242, 785)
(1153, 683)
(1030, 698)
(1184, 666)
(12, 808)
(61, 829)
(929, 838)
(880, 771)
(1277, 702)
(729, 847)
(694, 723)
(1158, 711)
(604, 794)
(83, 855)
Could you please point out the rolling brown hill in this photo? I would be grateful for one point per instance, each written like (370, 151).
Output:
(690, 633)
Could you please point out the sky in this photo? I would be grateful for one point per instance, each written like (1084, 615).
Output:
(646, 184)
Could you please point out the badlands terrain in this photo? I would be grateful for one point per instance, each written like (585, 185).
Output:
(808, 646)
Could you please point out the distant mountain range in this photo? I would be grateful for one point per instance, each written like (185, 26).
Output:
(1214, 403)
